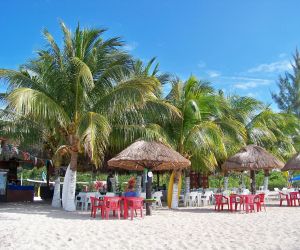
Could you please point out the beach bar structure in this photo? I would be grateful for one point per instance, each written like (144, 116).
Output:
(11, 160)
(149, 156)
(293, 164)
(252, 158)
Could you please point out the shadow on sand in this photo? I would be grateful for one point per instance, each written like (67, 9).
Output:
(44, 208)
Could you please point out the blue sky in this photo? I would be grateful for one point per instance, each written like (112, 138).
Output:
(240, 46)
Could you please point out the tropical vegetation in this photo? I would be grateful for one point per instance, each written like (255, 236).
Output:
(288, 98)
(88, 99)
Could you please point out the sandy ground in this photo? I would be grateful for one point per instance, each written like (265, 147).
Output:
(39, 226)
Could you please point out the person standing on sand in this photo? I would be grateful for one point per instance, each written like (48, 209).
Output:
(108, 181)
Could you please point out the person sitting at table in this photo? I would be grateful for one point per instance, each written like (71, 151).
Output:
(130, 188)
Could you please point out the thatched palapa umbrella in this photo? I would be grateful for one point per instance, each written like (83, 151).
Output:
(252, 158)
(293, 163)
(149, 155)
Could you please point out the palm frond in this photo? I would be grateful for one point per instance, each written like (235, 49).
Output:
(94, 130)
(36, 104)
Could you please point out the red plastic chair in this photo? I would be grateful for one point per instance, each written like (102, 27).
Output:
(96, 204)
(241, 201)
(220, 201)
(234, 201)
(111, 204)
(260, 202)
(294, 197)
(250, 201)
(135, 203)
(284, 197)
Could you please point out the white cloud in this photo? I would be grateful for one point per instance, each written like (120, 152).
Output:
(282, 55)
(278, 66)
(251, 94)
(244, 78)
(213, 74)
(201, 64)
(252, 83)
(131, 46)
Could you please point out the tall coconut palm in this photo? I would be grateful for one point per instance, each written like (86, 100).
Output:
(277, 132)
(206, 127)
(78, 89)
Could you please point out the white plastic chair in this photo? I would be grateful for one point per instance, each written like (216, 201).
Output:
(110, 194)
(157, 196)
(246, 191)
(186, 199)
(143, 195)
(193, 199)
(206, 198)
(272, 194)
(80, 200)
(87, 202)
(199, 196)
(226, 192)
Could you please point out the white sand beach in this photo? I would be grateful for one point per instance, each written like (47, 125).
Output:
(39, 226)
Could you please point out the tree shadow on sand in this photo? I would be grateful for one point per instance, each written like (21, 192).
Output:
(45, 208)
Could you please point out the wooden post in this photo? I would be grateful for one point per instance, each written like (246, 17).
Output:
(157, 176)
(148, 193)
(48, 173)
(253, 182)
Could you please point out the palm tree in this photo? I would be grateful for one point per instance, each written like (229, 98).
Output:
(206, 127)
(289, 88)
(276, 132)
(79, 89)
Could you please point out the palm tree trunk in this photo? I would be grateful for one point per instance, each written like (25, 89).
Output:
(68, 196)
(243, 180)
(187, 185)
(56, 195)
(226, 177)
(174, 204)
(138, 185)
(266, 180)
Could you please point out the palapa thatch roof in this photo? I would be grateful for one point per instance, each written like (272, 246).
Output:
(252, 157)
(151, 155)
(293, 163)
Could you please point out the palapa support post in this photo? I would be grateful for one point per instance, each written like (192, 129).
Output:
(253, 181)
(48, 172)
(157, 176)
(148, 192)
